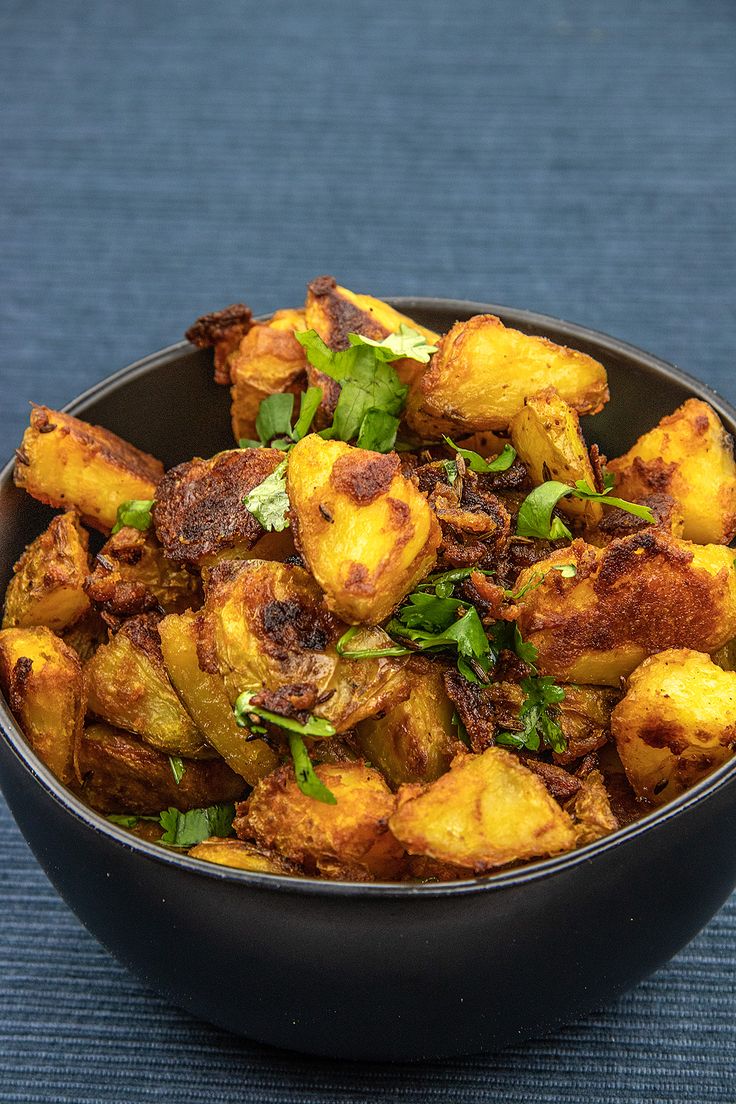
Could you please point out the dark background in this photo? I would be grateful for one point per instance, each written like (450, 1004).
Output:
(161, 159)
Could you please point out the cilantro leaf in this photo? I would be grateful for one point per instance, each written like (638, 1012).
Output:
(540, 727)
(187, 829)
(505, 635)
(406, 342)
(311, 399)
(314, 726)
(135, 512)
(306, 778)
(476, 463)
(122, 820)
(450, 467)
(535, 513)
(429, 622)
(269, 502)
(341, 647)
(274, 417)
(177, 768)
(377, 431)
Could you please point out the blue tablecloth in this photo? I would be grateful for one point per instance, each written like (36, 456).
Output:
(163, 159)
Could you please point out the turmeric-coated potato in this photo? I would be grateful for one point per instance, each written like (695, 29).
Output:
(41, 678)
(121, 774)
(48, 579)
(689, 456)
(676, 723)
(488, 810)
(85, 636)
(222, 331)
(242, 856)
(349, 839)
(268, 361)
(368, 535)
(483, 371)
(636, 596)
(132, 575)
(67, 463)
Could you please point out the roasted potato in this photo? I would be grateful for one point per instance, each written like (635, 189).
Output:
(676, 722)
(223, 332)
(70, 464)
(41, 678)
(483, 371)
(48, 579)
(591, 810)
(128, 687)
(487, 811)
(269, 360)
(689, 456)
(132, 575)
(85, 636)
(349, 839)
(366, 532)
(121, 774)
(242, 856)
(638, 595)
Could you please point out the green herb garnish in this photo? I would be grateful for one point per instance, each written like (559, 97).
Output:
(187, 829)
(306, 779)
(476, 463)
(539, 725)
(535, 513)
(313, 726)
(125, 821)
(273, 422)
(269, 502)
(177, 768)
(136, 512)
(341, 647)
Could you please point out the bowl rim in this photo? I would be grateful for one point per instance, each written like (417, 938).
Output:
(488, 883)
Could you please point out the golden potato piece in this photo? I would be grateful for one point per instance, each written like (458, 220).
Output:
(483, 371)
(547, 437)
(41, 678)
(85, 636)
(128, 687)
(205, 699)
(689, 456)
(132, 575)
(488, 810)
(221, 331)
(367, 534)
(242, 856)
(200, 513)
(676, 723)
(636, 596)
(265, 626)
(48, 579)
(591, 810)
(268, 361)
(65, 462)
(121, 774)
(347, 840)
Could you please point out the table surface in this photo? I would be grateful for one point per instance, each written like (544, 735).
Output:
(161, 160)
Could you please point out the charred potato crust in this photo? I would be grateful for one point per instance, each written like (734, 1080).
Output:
(48, 579)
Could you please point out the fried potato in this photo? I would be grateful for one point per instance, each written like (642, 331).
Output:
(132, 575)
(85, 636)
(488, 810)
(41, 678)
(67, 463)
(416, 740)
(689, 456)
(367, 534)
(128, 687)
(347, 840)
(676, 723)
(265, 625)
(591, 810)
(638, 595)
(205, 699)
(199, 512)
(547, 437)
(483, 371)
(48, 579)
(221, 331)
(269, 360)
(242, 856)
(122, 774)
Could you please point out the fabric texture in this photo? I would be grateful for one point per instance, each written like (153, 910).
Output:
(164, 159)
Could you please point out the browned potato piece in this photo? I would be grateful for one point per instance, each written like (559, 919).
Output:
(86, 635)
(416, 740)
(121, 774)
(242, 856)
(221, 331)
(591, 810)
(131, 575)
(199, 511)
(46, 588)
(205, 699)
(68, 463)
(689, 456)
(483, 371)
(638, 595)
(547, 437)
(676, 723)
(488, 810)
(269, 360)
(265, 625)
(347, 840)
(367, 534)
(41, 678)
(128, 687)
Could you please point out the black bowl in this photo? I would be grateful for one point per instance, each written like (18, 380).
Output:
(376, 971)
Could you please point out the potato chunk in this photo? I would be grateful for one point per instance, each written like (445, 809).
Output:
(121, 774)
(131, 575)
(67, 463)
(676, 723)
(367, 534)
(547, 437)
(483, 371)
(265, 626)
(488, 810)
(591, 810)
(689, 456)
(347, 840)
(269, 360)
(222, 331)
(48, 579)
(199, 511)
(128, 687)
(636, 596)
(242, 856)
(41, 678)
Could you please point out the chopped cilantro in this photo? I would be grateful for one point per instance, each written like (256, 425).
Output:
(273, 421)
(540, 725)
(187, 829)
(535, 514)
(306, 779)
(476, 463)
(122, 820)
(135, 512)
(450, 467)
(269, 502)
(177, 768)
(406, 342)
(313, 726)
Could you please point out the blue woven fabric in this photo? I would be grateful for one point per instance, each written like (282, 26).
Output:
(163, 159)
